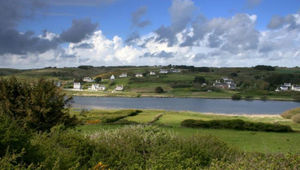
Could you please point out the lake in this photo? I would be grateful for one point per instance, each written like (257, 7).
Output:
(186, 104)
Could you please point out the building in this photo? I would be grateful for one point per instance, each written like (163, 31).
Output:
(226, 83)
(88, 79)
(112, 77)
(77, 86)
(283, 88)
(119, 88)
(123, 75)
(152, 73)
(295, 88)
(173, 70)
(94, 87)
(163, 71)
(138, 75)
(97, 87)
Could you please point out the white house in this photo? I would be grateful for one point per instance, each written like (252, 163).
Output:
(295, 88)
(163, 71)
(112, 77)
(77, 85)
(289, 85)
(88, 79)
(96, 87)
(119, 88)
(225, 84)
(173, 70)
(152, 73)
(102, 88)
(123, 75)
(138, 75)
(284, 88)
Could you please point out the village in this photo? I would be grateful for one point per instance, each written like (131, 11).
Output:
(288, 87)
(223, 83)
(77, 86)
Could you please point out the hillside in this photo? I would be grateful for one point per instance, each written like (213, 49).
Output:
(257, 82)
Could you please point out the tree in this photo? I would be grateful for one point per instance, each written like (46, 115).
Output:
(199, 79)
(264, 68)
(159, 90)
(38, 105)
(98, 79)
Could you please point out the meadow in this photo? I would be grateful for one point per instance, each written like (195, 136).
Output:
(248, 141)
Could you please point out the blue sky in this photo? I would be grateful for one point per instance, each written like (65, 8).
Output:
(114, 18)
(218, 33)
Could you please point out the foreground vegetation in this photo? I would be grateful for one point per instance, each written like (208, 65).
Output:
(43, 134)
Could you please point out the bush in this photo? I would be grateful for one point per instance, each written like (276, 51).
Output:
(264, 98)
(148, 147)
(296, 97)
(159, 90)
(98, 79)
(62, 149)
(199, 79)
(253, 161)
(36, 105)
(296, 118)
(116, 116)
(290, 113)
(12, 138)
(264, 68)
(248, 97)
(236, 124)
(236, 97)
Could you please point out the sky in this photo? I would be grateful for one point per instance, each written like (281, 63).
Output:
(214, 33)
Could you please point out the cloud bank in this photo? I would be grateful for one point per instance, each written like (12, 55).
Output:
(189, 40)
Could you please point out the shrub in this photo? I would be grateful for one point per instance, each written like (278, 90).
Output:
(62, 149)
(264, 68)
(296, 97)
(290, 113)
(116, 116)
(12, 138)
(248, 97)
(296, 118)
(199, 79)
(236, 97)
(36, 105)
(264, 98)
(98, 79)
(236, 124)
(148, 147)
(253, 161)
(159, 90)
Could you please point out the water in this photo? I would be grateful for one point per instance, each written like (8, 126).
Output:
(187, 104)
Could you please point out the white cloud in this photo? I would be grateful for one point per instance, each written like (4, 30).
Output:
(216, 42)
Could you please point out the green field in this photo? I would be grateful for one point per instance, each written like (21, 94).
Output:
(249, 141)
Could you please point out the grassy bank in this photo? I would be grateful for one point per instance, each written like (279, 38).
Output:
(249, 141)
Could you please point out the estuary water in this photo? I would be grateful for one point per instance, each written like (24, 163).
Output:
(186, 104)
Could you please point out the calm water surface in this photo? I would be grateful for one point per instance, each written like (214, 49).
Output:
(191, 104)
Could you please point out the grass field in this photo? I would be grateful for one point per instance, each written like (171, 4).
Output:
(249, 141)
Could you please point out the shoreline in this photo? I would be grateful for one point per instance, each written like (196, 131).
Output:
(254, 115)
(124, 95)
